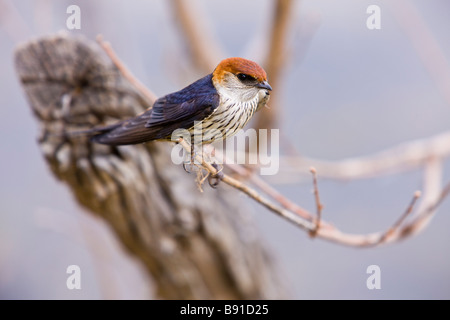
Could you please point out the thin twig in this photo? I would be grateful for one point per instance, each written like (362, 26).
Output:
(432, 196)
(106, 46)
(204, 49)
(319, 205)
(402, 218)
(201, 179)
(281, 21)
(408, 211)
(276, 59)
(246, 173)
(422, 220)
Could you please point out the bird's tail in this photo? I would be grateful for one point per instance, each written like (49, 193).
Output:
(131, 131)
(113, 134)
(90, 132)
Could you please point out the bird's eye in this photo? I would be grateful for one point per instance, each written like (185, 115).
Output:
(245, 77)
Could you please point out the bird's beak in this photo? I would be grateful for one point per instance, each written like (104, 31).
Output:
(264, 85)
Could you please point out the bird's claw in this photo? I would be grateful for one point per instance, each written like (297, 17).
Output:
(187, 166)
(214, 180)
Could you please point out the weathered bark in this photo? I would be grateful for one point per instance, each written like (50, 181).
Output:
(194, 245)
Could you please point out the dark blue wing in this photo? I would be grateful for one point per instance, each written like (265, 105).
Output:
(195, 101)
(173, 111)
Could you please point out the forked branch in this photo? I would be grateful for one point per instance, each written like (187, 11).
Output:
(305, 220)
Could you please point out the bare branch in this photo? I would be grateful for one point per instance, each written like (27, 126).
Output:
(433, 195)
(205, 52)
(407, 156)
(275, 60)
(281, 21)
(444, 194)
(402, 218)
(247, 173)
(106, 46)
(319, 205)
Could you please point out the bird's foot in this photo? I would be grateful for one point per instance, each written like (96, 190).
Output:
(214, 180)
(188, 167)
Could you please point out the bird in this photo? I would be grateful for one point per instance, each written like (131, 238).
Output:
(212, 108)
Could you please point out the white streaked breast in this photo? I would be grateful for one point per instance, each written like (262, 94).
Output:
(226, 120)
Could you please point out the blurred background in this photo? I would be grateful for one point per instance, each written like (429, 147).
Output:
(346, 91)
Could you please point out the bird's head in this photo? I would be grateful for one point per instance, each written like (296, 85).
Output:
(241, 79)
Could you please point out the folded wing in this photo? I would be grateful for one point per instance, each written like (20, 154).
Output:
(173, 111)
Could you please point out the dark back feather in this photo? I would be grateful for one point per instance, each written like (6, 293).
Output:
(173, 111)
